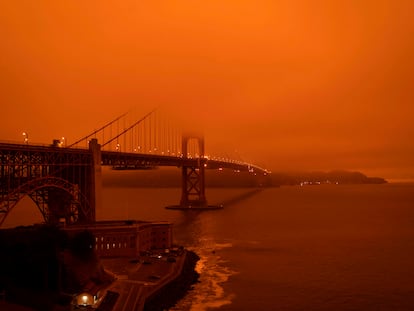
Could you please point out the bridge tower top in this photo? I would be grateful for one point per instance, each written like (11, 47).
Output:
(188, 144)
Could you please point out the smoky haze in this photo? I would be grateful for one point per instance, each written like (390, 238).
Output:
(290, 85)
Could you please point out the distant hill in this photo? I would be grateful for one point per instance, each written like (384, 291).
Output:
(332, 177)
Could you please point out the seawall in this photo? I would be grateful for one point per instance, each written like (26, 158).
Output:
(167, 296)
(153, 282)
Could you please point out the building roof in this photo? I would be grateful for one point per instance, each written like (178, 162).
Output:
(116, 223)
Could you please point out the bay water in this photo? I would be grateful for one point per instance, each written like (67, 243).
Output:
(325, 247)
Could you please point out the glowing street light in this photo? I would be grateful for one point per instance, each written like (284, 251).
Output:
(26, 137)
(85, 299)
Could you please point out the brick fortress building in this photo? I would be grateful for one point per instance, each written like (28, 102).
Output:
(126, 238)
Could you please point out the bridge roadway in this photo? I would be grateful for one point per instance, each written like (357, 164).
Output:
(22, 154)
(136, 282)
(65, 183)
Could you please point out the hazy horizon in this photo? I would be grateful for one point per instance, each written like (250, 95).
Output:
(299, 85)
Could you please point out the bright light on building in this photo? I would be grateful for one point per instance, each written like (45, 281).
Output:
(84, 299)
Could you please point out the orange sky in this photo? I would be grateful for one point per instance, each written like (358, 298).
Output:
(289, 84)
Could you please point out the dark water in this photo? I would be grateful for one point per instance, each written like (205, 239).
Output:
(292, 248)
(333, 247)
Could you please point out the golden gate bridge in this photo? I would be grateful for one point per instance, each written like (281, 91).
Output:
(65, 181)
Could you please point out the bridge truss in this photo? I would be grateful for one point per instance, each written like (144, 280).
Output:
(56, 179)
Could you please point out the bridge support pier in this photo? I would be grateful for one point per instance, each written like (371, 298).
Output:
(193, 187)
(193, 177)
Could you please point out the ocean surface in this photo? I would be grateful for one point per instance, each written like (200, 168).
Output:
(326, 247)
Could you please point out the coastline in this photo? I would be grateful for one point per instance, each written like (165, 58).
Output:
(148, 283)
(168, 295)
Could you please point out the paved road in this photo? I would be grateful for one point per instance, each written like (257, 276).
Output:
(136, 281)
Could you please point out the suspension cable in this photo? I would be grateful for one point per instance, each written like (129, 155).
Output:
(130, 127)
(96, 131)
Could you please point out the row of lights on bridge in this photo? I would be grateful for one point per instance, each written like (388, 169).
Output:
(62, 140)
(139, 149)
(251, 169)
(25, 137)
(179, 154)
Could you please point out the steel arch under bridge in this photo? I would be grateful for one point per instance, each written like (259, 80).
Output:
(55, 197)
(60, 181)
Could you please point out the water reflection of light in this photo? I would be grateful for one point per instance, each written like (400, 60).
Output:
(214, 272)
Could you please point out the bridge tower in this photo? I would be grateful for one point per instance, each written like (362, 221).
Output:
(193, 177)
